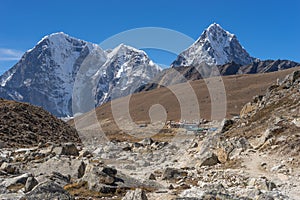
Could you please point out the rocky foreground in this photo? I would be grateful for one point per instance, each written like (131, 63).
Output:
(255, 156)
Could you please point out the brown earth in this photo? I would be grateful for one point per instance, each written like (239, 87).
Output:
(240, 89)
(25, 125)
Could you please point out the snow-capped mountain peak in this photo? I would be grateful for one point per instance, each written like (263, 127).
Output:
(128, 68)
(217, 36)
(45, 75)
(215, 46)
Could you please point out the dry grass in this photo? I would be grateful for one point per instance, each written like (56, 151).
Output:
(15, 187)
(80, 190)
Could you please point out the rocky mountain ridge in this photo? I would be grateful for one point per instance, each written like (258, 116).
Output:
(183, 74)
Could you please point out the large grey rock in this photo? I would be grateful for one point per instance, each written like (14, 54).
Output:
(100, 178)
(208, 159)
(62, 165)
(48, 190)
(137, 194)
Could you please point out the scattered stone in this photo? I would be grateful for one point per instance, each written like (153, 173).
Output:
(262, 183)
(194, 145)
(147, 142)
(151, 177)
(127, 148)
(296, 121)
(31, 182)
(9, 168)
(277, 167)
(87, 154)
(171, 187)
(137, 145)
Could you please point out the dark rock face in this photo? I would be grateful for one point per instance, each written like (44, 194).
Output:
(38, 77)
(267, 66)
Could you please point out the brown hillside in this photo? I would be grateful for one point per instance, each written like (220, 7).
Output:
(25, 125)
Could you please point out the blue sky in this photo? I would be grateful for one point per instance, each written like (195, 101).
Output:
(267, 29)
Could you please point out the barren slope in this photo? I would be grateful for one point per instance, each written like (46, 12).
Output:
(240, 89)
(25, 125)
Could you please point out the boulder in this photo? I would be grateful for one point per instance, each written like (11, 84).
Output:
(68, 149)
(100, 178)
(81, 169)
(226, 124)
(109, 171)
(173, 174)
(48, 190)
(208, 159)
(16, 180)
(63, 165)
(137, 194)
